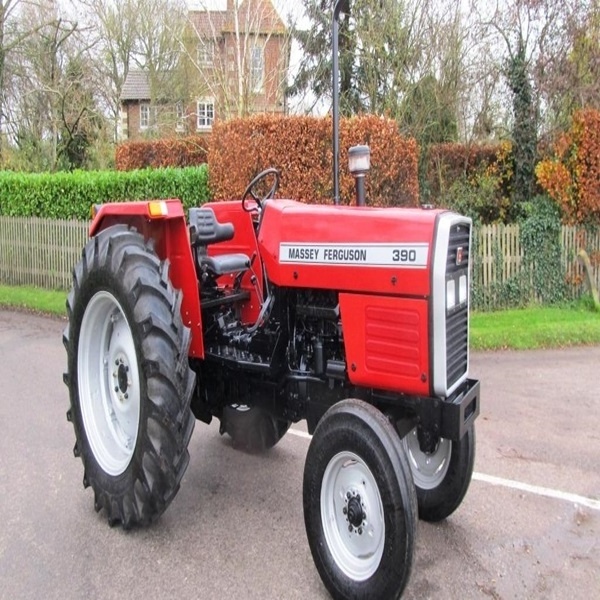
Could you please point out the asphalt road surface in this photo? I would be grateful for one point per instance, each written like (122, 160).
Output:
(528, 528)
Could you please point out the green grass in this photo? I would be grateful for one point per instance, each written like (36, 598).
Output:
(33, 299)
(528, 328)
(536, 327)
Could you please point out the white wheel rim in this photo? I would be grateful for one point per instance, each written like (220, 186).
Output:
(108, 378)
(356, 544)
(428, 468)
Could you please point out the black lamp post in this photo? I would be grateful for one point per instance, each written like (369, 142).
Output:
(340, 5)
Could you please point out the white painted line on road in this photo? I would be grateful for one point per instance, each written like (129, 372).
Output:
(538, 490)
(510, 483)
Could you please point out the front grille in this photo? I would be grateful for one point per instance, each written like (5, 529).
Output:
(457, 341)
(457, 320)
(460, 237)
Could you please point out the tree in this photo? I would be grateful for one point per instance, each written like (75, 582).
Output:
(570, 77)
(145, 34)
(53, 110)
(13, 32)
(399, 58)
(238, 54)
(531, 32)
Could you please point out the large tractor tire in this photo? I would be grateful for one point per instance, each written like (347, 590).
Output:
(251, 428)
(441, 477)
(128, 376)
(360, 508)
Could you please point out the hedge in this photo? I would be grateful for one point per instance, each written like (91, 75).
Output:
(301, 148)
(167, 152)
(571, 177)
(451, 162)
(70, 195)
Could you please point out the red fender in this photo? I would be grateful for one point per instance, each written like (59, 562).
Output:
(163, 222)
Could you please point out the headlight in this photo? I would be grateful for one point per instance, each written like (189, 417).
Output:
(462, 289)
(450, 294)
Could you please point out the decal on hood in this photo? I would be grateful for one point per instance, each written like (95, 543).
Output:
(414, 256)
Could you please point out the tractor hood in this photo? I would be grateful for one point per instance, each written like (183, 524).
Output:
(367, 249)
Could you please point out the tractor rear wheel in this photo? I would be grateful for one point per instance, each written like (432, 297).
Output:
(251, 428)
(441, 477)
(128, 376)
(360, 508)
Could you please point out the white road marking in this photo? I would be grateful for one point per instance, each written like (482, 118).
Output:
(510, 483)
(539, 491)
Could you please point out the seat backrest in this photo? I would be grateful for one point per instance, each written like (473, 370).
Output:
(205, 229)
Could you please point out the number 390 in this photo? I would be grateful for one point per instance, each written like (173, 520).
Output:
(404, 255)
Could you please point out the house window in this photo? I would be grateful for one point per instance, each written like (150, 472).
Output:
(257, 66)
(206, 53)
(144, 116)
(180, 114)
(205, 114)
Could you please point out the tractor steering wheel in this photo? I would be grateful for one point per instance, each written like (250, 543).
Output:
(257, 198)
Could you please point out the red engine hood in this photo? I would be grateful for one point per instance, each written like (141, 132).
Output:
(374, 250)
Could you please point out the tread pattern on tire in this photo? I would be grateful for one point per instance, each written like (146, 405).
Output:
(121, 262)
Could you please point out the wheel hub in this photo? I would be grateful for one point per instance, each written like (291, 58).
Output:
(352, 515)
(121, 376)
(354, 511)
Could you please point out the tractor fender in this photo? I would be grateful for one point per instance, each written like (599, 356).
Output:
(163, 224)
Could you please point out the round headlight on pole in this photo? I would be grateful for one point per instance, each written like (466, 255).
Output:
(359, 160)
(359, 163)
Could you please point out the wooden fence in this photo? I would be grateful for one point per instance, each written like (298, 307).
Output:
(500, 254)
(42, 253)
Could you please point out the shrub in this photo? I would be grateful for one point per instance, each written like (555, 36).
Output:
(70, 195)
(300, 147)
(167, 152)
(572, 176)
(452, 162)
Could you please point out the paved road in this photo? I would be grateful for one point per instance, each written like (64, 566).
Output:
(236, 530)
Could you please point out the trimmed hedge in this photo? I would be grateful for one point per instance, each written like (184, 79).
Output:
(451, 162)
(301, 148)
(571, 177)
(70, 195)
(167, 152)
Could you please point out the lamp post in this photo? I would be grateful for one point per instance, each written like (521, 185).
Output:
(340, 5)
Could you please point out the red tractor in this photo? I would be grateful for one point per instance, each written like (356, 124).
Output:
(265, 312)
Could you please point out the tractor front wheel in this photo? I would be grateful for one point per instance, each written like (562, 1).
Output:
(441, 477)
(128, 376)
(360, 508)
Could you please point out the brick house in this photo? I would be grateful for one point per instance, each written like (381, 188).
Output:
(235, 64)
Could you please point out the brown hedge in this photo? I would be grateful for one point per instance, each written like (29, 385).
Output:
(451, 162)
(301, 148)
(572, 175)
(167, 152)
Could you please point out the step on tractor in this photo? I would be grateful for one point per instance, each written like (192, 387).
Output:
(263, 312)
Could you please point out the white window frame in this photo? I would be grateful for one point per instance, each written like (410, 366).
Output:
(180, 116)
(257, 68)
(206, 53)
(145, 115)
(205, 114)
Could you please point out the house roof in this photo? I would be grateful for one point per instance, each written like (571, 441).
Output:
(257, 16)
(136, 86)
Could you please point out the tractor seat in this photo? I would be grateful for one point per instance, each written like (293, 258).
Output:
(205, 229)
